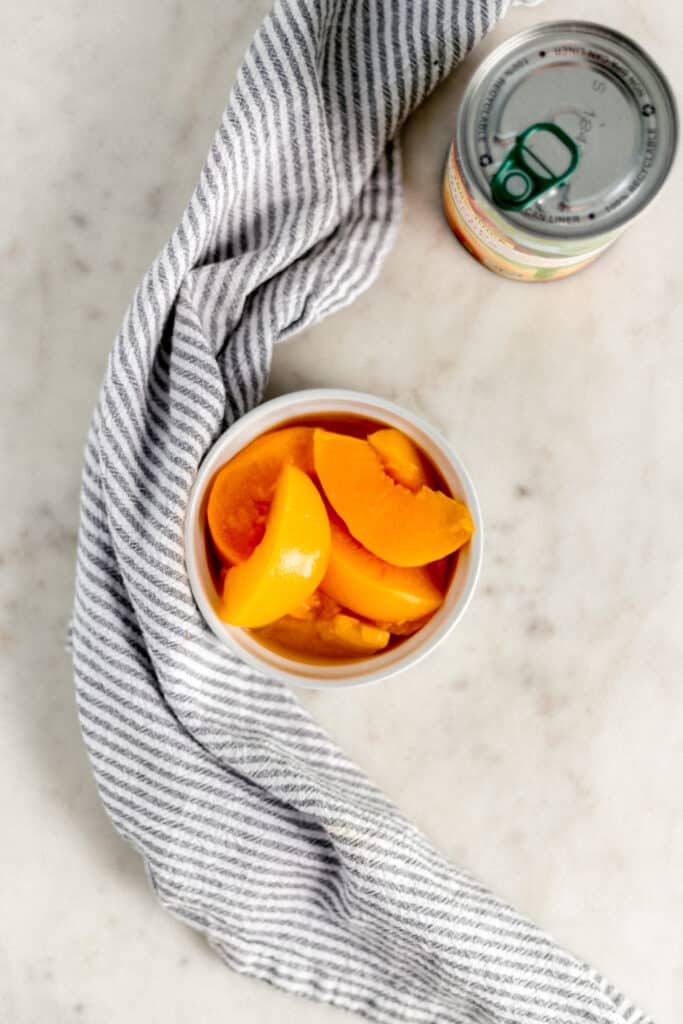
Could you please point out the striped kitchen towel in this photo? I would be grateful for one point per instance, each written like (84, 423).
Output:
(254, 827)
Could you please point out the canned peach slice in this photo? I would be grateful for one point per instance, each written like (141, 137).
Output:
(241, 494)
(288, 564)
(372, 587)
(402, 527)
(400, 457)
(341, 636)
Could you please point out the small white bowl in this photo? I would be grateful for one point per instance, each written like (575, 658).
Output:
(311, 403)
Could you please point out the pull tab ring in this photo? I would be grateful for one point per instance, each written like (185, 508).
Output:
(523, 176)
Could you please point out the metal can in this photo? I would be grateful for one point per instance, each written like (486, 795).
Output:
(564, 134)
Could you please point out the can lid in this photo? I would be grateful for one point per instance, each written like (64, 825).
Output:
(569, 129)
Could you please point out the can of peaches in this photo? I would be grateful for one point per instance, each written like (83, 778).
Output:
(564, 134)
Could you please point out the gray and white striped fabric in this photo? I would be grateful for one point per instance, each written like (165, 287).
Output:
(254, 827)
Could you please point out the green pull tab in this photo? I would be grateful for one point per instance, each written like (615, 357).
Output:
(523, 176)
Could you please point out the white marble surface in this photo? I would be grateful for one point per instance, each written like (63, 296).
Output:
(542, 747)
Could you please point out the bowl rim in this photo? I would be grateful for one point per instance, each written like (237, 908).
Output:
(371, 669)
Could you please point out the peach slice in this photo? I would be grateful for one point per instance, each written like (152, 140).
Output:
(243, 489)
(317, 606)
(290, 561)
(340, 636)
(400, 457)
(372, 587)
(394, 523)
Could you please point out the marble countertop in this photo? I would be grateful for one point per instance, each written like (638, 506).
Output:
(542, 746)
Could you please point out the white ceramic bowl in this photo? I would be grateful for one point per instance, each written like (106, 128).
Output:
(342, 673)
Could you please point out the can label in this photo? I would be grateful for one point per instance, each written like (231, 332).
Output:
(497, 249)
